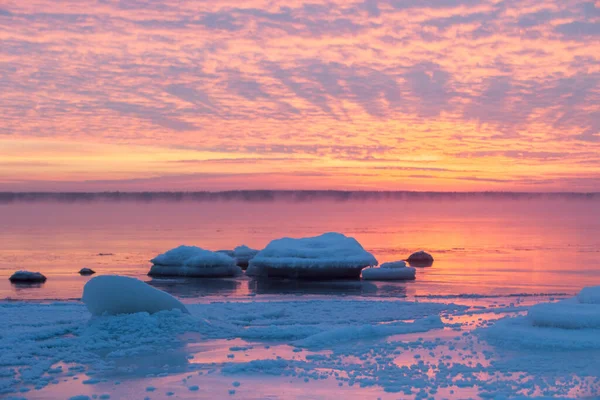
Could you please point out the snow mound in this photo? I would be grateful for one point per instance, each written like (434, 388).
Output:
(27, 277)
(113, 294)
(393, 264)
(389, 274)
(566, 324)
(193, 261)
(589, 295)
(352, 333)
(420, 259)
(328, 256)
(243, 254)
(86, 271)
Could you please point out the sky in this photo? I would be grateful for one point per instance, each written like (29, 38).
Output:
(437, 95)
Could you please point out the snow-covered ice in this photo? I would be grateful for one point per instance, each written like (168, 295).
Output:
(420, 259)
(394, 264)
(328, 256)
(27, 277)
(572, 323)
(86, 271)
(329, 348)
(243, 254)
(194, 261)
(113, 294)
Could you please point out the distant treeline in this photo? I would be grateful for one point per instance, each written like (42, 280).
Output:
(281, 195)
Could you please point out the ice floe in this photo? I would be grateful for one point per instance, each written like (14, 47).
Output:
(194, 261)
(568, 324)
(243, 254)
(389, 274)
(360, 348)
(113, 294)
(27, 277)
(328, 256)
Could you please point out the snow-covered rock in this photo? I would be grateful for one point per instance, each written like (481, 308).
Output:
(394, 264)
(567, 324)
(328, 256)
(243, 254)
(420, 259)
(113, 294)
(27, 277)
(389, 273)
(86, 271)
(195, 262)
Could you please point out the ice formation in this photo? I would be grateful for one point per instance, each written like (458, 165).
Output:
(328, 256)
(86, 271)
(420, 259)
(573, 323)
(27, 277)
(394, 264)
(195, 262)
(387, 273)
(113, 295)
(243, 254)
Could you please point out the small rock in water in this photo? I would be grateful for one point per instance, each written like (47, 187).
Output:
(27, 277)
(105, 254)
(86, 271)
(420, 259)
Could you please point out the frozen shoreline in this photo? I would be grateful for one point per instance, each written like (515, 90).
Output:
(362, 347)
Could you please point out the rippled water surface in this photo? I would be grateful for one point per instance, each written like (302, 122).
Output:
(481, 245)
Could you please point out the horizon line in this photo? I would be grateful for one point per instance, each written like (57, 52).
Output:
(266, 195)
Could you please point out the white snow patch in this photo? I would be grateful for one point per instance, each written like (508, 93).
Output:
(566, 324)
(328, 252)
(393, 264)
(112, 295)
(193, 261)
(347, 334)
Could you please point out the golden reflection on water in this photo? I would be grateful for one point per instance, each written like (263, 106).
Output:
(483, 246)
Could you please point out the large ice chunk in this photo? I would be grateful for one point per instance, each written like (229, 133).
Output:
(113, 294)
(328, 256)
(27, 277)
(589, 295)
(389, 272)
(568, 324)
(243, 254)
(193, 261)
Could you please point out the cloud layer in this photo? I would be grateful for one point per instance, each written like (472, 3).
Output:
(473, 95)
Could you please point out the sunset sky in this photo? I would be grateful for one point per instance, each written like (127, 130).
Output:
(444, 95)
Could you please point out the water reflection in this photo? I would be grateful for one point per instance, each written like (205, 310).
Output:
(197, 287)
(328, 288)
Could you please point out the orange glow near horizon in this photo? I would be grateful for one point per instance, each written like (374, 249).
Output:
(381, 94)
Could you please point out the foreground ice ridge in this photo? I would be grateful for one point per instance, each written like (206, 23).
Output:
(328, 256)
(417, 349)
(113, 295)
(569, 324)
(194, 262)
(390, 271)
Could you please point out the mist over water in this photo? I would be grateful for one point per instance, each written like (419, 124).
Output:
(483, 243)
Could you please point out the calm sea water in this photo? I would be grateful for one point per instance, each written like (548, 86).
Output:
(481, 245)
